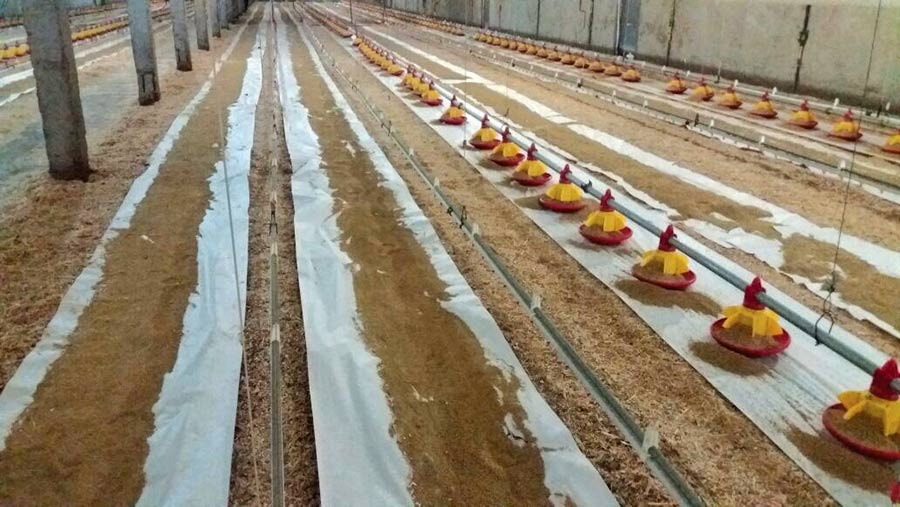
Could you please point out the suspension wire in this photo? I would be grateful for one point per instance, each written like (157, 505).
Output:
(827, 310)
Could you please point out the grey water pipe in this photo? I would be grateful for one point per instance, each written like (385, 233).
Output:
(822, 336)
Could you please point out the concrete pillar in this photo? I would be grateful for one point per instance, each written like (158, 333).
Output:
(143, 51)
(212, 8)
(201, 25)
(180, 31)
(56, 78)
(223, 13)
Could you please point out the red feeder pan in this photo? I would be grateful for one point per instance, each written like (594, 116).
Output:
(597, 236)
(891, 148)
(523, 179)
(886, 448)
(561, 206)
(765, 114)
(485, 145)
(433, 102)
(740, 340)
(453, 121)
(508, 161)
(671, 282)
(846, 136)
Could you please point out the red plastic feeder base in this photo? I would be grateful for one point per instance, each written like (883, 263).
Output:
(765, 114)
(561, 206)
(485, 145)
(658, 278)
(893, 148)
(733, 105)
(808, 125)
(676, 91)
(597, 236)
(509, 161)
(453, 121)
(875, 446)
(631, 79)
(849, 136)
(523, 179)
(435, 102)
(397, 72)
(740, 339)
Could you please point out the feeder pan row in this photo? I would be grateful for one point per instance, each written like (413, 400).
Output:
(867, 422)
(846, 129)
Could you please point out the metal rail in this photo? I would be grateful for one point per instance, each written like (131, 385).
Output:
(643, 441)
(276, 436)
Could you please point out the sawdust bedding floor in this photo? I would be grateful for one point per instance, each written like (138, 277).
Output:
(83, 440)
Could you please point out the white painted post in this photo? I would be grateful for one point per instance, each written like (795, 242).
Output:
(143, 51)
(201, 25)
(56, 79)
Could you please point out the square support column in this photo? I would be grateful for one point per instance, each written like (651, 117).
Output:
(180, 32)
(223, 13)
(212, 8)
(202, 26)
(143, 51)
(56, 78)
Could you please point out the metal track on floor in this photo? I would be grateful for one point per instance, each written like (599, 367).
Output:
(645, 442)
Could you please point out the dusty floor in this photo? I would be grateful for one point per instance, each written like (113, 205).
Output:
(84, 438)
(725, 470)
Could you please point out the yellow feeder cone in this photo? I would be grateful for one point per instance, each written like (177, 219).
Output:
(613, 70)
(853, 420)
(567, 59)
(523, 47)
(750, 328)
(454, 115)
(631, 75)
(394, 68)
(532, 50)
(605, 225)
(676, 85)
(702, 92)
(531, 172)
(423, 86)
(803, 117)
(847, 128)
(485, 138)
(730, 99)
(596, 66)
(542, 52)
(507, 153)
(564, 196)
(431, 96)
(764, 107)
(665, 266)
(892, 145)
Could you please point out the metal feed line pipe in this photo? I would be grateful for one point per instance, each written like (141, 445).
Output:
(822, 336)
